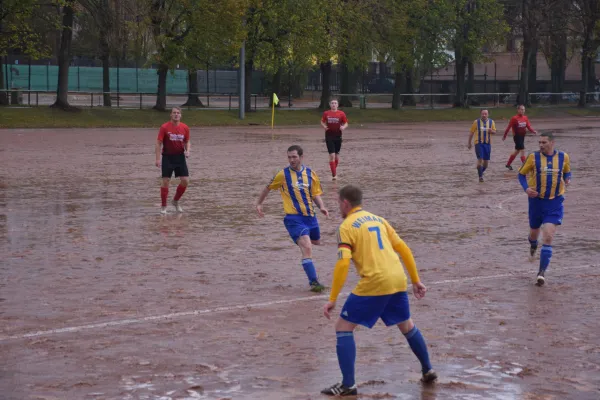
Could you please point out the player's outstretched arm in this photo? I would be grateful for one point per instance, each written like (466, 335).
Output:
(319, 202)
(507, 129)
(340, 273)
(261, 199)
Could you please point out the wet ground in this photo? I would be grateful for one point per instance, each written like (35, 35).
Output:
(103, 298)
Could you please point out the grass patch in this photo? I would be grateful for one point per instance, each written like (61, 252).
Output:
(45, 117)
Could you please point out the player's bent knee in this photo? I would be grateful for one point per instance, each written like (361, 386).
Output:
(406, 326)
(341, 325)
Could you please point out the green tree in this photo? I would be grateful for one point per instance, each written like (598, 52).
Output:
(18, 31)
(586, 26)
(473, 24)
(412, 35)
(215, 39)
(64, 57)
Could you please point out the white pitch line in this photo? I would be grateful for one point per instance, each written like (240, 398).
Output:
(244, 306)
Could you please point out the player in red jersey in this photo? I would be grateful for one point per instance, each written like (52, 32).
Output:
(334, 122)
(520, 125)
(174, 139)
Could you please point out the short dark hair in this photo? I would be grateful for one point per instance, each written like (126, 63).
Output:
(548, 134)
(296, 148)
(351, 193)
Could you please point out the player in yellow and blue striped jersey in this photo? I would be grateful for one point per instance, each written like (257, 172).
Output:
(372, 243)
(544, 177)
(299, 187)
(483, 128)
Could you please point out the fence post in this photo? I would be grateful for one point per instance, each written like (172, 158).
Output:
(229, 101)
(48, 76)
(29, 85)
(140, 101)
(92, 97)
(37, 100)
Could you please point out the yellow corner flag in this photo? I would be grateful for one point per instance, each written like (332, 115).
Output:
(275, 101)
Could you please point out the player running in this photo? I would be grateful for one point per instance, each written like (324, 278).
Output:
(520, 125)
(334, 122)
(174, 139)
(299, 187)
(549, 173)
(372, 243)
(483, 129)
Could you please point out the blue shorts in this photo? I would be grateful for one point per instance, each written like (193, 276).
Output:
(366, 310)
(483, 151)
(542, 211)
(299, 225)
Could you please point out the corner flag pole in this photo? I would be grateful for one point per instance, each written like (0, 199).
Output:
(275, 101)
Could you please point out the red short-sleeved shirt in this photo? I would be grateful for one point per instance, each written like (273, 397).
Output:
(519, 124)
(174, 137)
(334, 120)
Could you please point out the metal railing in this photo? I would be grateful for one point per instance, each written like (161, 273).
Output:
(230, 101)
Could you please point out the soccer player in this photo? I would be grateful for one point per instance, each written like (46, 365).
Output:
(174, 139)
(549, 173)
(334, 122)
(483, 127)
(520, 125)
(299, 187)
(372, 244)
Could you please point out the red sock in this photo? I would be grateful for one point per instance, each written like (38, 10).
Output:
(336, 162)
(332, 166)
(164, 192)
(511, 159)
(179, 192)
(523, 159)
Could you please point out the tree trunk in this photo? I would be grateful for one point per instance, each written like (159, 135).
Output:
(526, 62)
(470, 87)
(105, 56)
(276, 87)
(558, 65)
(399, 81)
(248, 68)
(64, 59)
(193, 99)
(3, 95)
(460, 66)
(532, 79)
(345, 87)
(161, 95)
(326, 89)
(409, 100)
(591, 80)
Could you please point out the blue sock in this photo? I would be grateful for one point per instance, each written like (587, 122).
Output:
(346, 352)
(483, 170)
(416, 341)
(545, 257)
(533, 243)
(310, 270)
(480, 171)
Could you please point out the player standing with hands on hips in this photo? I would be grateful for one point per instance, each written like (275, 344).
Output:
(334, 122)
(520, 125)
(174, 139)
(372, 243)
(549, 174)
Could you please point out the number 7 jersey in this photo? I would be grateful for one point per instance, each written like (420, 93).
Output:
(368, 240)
